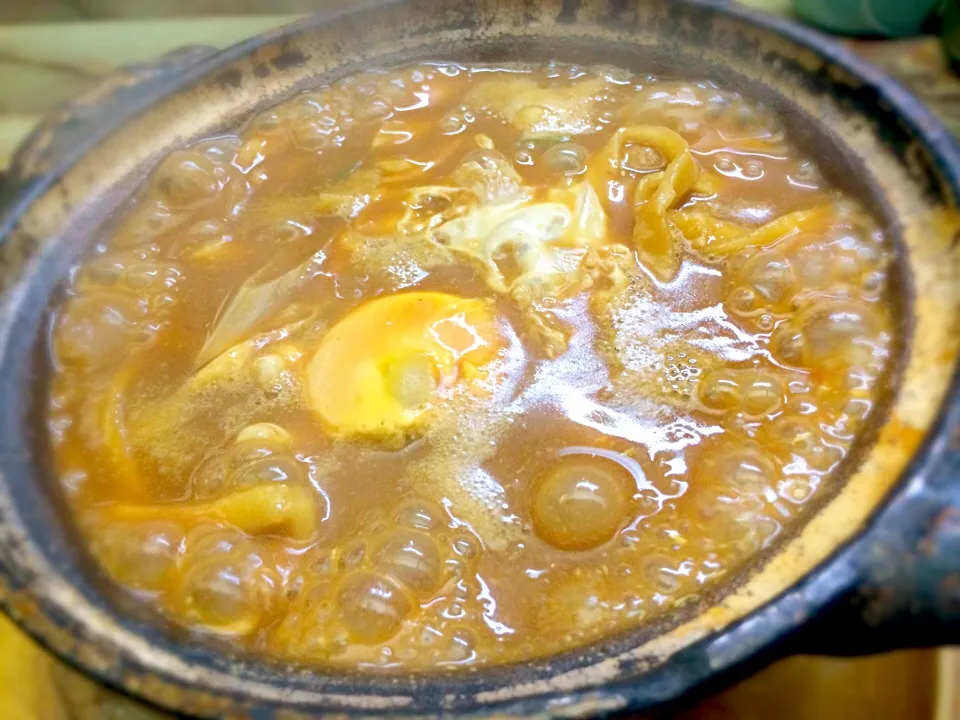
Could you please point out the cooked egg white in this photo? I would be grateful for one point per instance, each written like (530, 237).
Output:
(377, 372)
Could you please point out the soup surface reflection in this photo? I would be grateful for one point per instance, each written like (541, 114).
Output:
(452, 365)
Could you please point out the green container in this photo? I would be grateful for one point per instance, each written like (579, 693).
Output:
(888, 18)
(950, 31)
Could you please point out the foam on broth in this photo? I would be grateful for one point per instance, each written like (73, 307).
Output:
(447, 365)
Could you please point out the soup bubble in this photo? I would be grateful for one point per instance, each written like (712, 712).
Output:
(94, 325)
(566, 158)
(581, 502)
(187, 180)
(748, 470)
(419, 515)
(264, 470)
(372, 608)
(771, 276)
(762, 394)
(266, 432)
(829, 334)
(721, 390)
(412, 559)
(220, 596)
(312, 136)
(142, 556)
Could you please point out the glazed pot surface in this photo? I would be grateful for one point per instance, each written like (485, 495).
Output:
(868, 133)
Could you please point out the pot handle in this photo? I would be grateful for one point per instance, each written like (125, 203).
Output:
(88, 118)
(908, 594)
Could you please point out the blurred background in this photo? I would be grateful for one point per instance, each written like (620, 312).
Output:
(51, 50)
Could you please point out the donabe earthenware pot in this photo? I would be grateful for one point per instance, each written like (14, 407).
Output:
(876, 562)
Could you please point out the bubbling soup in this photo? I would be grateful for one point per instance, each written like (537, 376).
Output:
(456, 365)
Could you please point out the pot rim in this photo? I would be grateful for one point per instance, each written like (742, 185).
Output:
(945, 153)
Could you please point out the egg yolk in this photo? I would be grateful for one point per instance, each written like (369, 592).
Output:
(378, 371)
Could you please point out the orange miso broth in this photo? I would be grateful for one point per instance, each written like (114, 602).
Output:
(454, 365)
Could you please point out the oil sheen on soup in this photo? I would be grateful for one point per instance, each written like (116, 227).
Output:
(455, 365)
